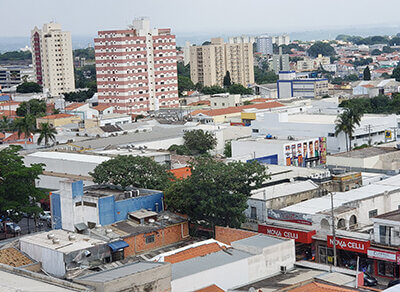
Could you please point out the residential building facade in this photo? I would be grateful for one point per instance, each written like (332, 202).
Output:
(264, 45)
(209, 63)
(136, 68)
(291, 86)
(52, 59)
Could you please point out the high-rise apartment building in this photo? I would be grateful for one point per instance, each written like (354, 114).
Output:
(209, 63)
(280, 62)
(264, 45)
(136, 68)
(281, 40)
(52, 58)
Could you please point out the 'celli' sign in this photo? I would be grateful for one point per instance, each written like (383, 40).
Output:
(349, 244)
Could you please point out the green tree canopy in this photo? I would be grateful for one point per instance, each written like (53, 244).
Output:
(16, 56)
(46, 133)
(227, 79)
(214, 89)
(396, 73)
(324, 49)
(79, 96)
(262, 77)
(367, 74)
(185, 84)
(17, 185)
(346, 122)
(239, 89)
(135, 171)
(199, 141)
(376, 52)
(228, 149)
(33, 107)
(183, 70)
(25, 126)
(29, 87)
(216, 192)
(87, 53)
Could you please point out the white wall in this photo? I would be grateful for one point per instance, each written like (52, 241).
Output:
(52, 260)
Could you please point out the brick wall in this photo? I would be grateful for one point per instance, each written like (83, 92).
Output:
(162, 237)
(227, 235)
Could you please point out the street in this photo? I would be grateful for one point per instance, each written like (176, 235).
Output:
(28, 226)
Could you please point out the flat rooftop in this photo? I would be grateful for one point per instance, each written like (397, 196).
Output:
(284, 189)
(59, 155)
(328, 118)
(118, 192)
(120, 272)
(392, 216)
(366, 152)
(259, 241)
(278, 140)
(65, 245)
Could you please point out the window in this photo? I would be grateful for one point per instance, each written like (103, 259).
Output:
(150, 239)
(78, 204)
(253, 213)
(331, 134)
(89, 204)
(373, 213)
(255, 130)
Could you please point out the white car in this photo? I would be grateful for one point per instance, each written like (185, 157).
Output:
(45, 215)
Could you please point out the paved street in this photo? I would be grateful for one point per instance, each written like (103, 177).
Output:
(27, 227)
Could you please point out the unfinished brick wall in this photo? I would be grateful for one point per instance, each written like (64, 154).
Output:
(162, 237)
(227, 234)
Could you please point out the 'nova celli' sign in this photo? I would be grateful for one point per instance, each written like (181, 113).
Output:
(349, 244)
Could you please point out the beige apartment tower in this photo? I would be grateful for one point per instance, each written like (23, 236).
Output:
(209, 63)
(52, 59)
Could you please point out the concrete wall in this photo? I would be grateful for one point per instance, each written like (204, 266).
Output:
(52, 260)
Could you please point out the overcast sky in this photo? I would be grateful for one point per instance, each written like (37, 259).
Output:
(86, 17)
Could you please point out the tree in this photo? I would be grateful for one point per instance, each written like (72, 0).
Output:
(239, 89)
(324, 49)
(33, 107)
(25, 126)
(184, 84)
(135, 171)
(396, 73)
(227, 79)
(18, 193)
(214, 89)
(16, 56)
(47, 132)
(6, 124)
(179, 149)
(346, 123)
(29, 87)
(262, 77)
(376, 52)
(79, 96)
(367, 74)
(216, 193)
(354, 119)
(387, 50)
(199, 141)
(183, 70)
(341, 126)
(228, 149)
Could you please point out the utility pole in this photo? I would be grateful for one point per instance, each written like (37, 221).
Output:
(333, 232)
(368, 128)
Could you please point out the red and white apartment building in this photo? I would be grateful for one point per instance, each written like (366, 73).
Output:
(136, 68)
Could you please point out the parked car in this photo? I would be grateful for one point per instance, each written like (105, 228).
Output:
(11, 227)
(45, 215)
(369, 280)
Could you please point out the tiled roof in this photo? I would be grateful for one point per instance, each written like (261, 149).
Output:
(57, 116)
(13, 257)
(102, 107)
(319, 287)
(74, 106)
(14, 138)
(260, 99)
(2, 135)
(193, 252)
(212, 288)
(200, 102)
(237, 109)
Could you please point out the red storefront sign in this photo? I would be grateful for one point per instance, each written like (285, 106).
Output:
(297, 235)
(349, 244)
(383, 255)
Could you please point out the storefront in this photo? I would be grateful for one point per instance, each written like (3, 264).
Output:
(386, 262)
(303, 239)
(347, 250)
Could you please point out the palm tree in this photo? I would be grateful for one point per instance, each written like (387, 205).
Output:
(354, 119)
(341, 126)
(26, 126)
(47, 132)
(5, 124)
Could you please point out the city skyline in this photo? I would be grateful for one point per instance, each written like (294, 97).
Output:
(191, 17)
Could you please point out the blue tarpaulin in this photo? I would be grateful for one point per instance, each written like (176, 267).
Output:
(116, 245)
(4, 97)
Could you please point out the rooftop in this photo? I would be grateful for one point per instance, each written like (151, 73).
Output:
(57, 116)
(13, 257)
(102, 107)
(366, 152)
(65, 244)
(74, 106)
(392, 216)
(258, 241)
(120, 272)
(193, 252)
(118, 192)
(284, 189)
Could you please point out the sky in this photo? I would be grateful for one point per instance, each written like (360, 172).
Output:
(196, 17)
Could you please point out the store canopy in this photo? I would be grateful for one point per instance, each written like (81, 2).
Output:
(116, 245)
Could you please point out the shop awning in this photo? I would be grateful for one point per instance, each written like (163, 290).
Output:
(116, 245)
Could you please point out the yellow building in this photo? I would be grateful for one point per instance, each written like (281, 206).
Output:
(58, 120)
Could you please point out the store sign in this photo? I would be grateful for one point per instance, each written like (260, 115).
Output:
(349, 244)
(383, 255)
(297, 235)
(294, 217)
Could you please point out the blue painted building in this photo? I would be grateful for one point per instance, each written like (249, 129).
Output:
(290, 86)
(75, 207)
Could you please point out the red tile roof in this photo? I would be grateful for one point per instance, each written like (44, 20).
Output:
(212, 288)
(57, 116)
(13, 138)
(237, 109)
(200, 102)
(193, 252)
(102, 107)
(367, 86)
(2, 135)
(319, 287)
(74, 106)
(260, 99)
